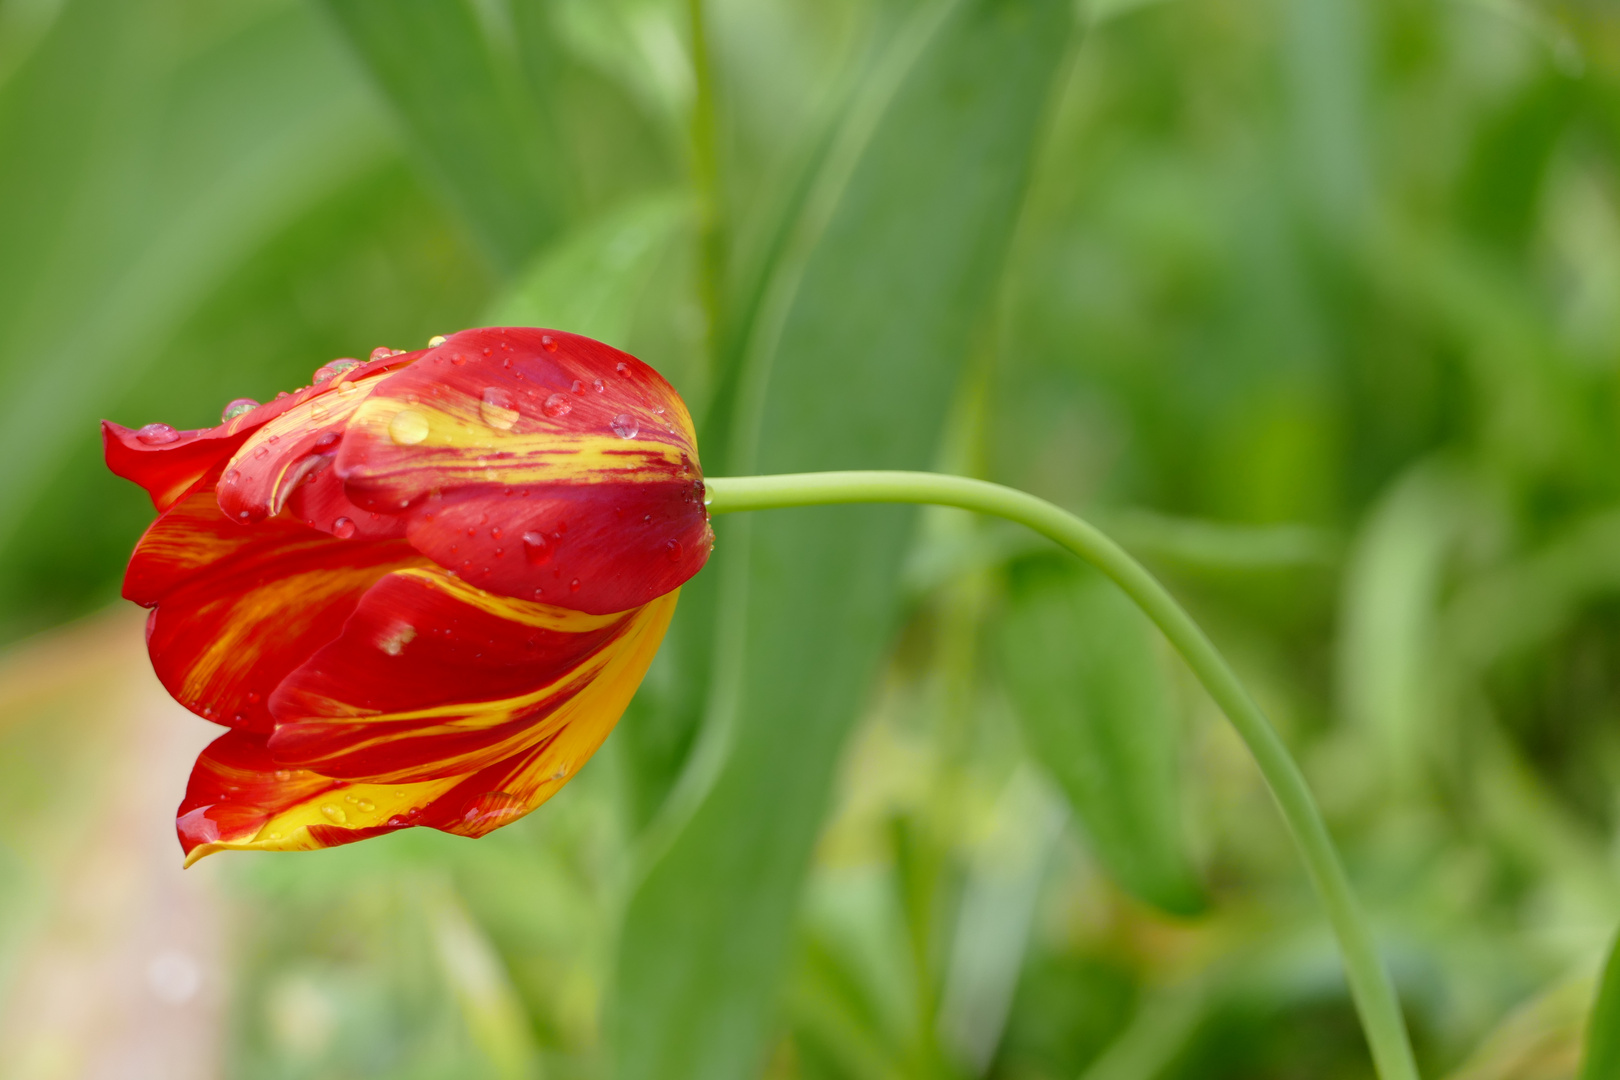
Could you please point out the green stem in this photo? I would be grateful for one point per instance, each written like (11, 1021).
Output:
(1370, 984)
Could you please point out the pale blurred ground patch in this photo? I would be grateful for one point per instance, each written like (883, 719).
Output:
(113, 959)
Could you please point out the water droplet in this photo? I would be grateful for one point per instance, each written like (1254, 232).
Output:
(495, 532)
(625, 426)
(408, 427)
(366, 805)
(435, 341)
(557, 406)
(598, 385)
(548, 343)
(243, 514)
(573, 586)
(326, 440)
(232, 476)
(342, 528)
(536, 548)
(157, 435)
(327, 372)
(237, 408)
(578, 386)
(622, 368)
(674, 550)
(498, 410)
(261, 452)
(397, 637)
(382, 352)
(345, 387)
(334, 813)
(283, 775)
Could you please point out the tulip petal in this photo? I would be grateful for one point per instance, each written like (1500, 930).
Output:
(288, 461)
(240, 798)
(167, 462)
(498, 435)
(167, 470)
(245, 795)
(432, 676)
(235, 609)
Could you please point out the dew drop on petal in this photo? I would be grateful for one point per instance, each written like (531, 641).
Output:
(342, 528)
(674, 550)
(578, 387)
(599, 386)
(261, 452)
(237, 408)
(157, 435)
(573, 586)
(408, 427)
(283, 775)
(557, 406)
(381, 352)
(397, 636)
(548, 343)
(497, 409)
(625, 426)
(536, 548)
(334, 813)
(365, 805)
(435, 341)
(622, 368)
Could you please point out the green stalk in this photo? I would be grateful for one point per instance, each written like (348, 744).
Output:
(1370, 985)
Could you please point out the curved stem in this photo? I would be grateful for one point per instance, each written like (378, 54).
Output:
(1370, 984)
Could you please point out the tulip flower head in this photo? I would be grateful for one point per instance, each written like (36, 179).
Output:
(420, 591)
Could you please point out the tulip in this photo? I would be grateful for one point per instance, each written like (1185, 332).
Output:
(420, 591)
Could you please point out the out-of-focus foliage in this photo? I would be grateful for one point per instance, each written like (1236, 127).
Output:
(1314, 304)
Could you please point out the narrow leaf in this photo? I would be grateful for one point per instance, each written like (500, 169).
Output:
(1093, 696)
(1602, 1060)
(468, 120)
(873, 324)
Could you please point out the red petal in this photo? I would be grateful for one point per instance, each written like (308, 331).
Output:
(237, 608)
(167, 470)
(466, 448)
(238, 797)
(433, 677)
(244, 796)
(291, 455)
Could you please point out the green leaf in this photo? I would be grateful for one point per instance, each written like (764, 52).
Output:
(1602, 1059)
(469, 120)
(867, 325)
(148, 184)
(594, 279)
(1093, 695)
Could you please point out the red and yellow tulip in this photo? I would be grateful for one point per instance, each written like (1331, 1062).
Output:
(418, 592)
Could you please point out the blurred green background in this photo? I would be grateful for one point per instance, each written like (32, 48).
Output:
(1314, 304)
